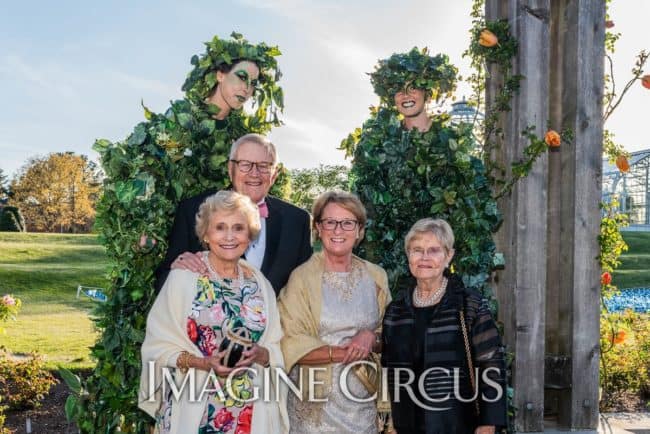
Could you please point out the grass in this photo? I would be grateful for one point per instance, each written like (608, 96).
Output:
(43, 270)
(634, 271)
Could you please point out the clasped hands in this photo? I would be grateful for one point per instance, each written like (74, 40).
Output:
(256, 354)
(359, 347)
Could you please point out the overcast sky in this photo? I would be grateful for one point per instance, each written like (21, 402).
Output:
(72, 72)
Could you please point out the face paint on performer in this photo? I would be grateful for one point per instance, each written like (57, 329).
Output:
(235, 87)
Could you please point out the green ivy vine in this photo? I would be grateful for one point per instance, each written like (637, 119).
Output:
(404, 175)
(500, 58)
(167, 158)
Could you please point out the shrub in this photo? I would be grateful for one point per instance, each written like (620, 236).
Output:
(3, 430)
(625, 348)
(9, 222)
(24, 382)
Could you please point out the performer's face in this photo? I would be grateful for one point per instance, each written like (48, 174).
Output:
(254, 183)
(228, 235)
(237, 86)
(411, 102)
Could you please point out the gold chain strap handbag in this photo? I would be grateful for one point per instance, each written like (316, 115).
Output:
(468, 352)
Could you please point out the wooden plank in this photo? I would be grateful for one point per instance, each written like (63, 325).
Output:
(531, 28)
(558, 299)
(581, 179)
(523, 236)
(496, 9)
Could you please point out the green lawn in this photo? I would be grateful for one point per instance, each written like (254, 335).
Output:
(634, 271)
(43, 270)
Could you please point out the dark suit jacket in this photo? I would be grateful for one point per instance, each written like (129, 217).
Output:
(287, 239)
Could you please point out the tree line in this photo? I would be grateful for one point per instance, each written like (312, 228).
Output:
(59, 192)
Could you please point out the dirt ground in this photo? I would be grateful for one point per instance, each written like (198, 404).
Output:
(48, 418)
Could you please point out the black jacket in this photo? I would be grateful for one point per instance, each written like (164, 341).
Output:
(442, 347)
(287, 239)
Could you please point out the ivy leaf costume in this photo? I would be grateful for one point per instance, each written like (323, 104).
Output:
(167, 158)
(404, 175)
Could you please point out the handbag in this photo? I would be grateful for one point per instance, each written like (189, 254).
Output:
(368, 376)
(470, 365)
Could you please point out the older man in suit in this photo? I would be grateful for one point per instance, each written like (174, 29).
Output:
(284, 242)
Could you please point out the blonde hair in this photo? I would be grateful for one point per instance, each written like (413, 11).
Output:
(346, 201)
(438, 227)
(228, 201)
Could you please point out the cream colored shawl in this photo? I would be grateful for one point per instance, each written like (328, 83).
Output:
(166, 338)
(300, 307)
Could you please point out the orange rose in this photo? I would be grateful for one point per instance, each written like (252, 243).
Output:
(552, 138)
(645, 81)
(622, 163)
(606, 278)
(619, 337)
(487, 38)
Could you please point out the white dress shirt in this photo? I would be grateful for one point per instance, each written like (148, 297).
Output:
(255, 252)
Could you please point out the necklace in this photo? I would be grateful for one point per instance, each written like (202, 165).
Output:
(343, 283)
(235, 281)
(421, 301)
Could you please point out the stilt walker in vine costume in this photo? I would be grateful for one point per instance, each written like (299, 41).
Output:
(167, 158)
(284, 241)
(409, 164)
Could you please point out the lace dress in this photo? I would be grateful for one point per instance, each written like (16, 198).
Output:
(349, 304)
(222, 303)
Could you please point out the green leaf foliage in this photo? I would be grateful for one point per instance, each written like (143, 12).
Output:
(308, 184)
(167, 158)
(402, 176)
(219, 53)
(415, 69)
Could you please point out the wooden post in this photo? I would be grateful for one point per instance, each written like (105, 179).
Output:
(581, 173)
(524, 232)
(549, 291)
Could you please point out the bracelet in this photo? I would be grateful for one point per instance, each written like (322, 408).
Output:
(183, 361)
(329, 349)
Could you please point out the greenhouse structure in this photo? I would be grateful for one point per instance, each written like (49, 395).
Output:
(630, 189)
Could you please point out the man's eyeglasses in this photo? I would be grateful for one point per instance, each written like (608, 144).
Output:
(331, 224)
(246, 166)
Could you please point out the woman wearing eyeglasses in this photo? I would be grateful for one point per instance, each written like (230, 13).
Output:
(445, 335)
(331, 312)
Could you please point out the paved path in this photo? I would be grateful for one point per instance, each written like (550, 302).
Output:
(624, 423)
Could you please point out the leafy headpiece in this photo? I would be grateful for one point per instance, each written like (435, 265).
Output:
(202, 79)
(415, 69)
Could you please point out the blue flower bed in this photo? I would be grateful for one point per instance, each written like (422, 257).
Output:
(637, 299)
